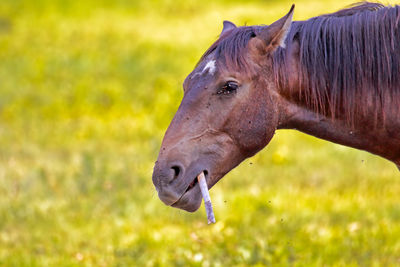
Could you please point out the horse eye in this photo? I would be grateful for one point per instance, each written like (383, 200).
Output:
(228, 88)
(231, 86)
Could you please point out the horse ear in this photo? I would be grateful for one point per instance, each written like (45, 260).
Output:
(227, 26)
(274, 35)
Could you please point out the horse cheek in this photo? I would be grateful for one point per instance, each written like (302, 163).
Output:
(257, 130)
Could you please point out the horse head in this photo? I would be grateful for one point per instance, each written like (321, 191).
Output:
(227, 114)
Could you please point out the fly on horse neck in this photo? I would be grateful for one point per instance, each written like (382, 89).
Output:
(335, 76)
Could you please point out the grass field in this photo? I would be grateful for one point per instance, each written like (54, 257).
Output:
(87, 89)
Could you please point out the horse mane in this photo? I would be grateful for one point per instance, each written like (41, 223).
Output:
(230, 48)
(355, 8)
(349, 60)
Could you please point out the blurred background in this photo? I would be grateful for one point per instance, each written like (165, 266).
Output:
(87, 90)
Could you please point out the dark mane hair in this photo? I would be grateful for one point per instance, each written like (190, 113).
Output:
(230, 48)
(349, 60)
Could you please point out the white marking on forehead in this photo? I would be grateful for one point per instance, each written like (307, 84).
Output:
(210, 66)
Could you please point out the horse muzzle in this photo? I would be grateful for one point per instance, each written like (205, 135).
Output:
(177, 186)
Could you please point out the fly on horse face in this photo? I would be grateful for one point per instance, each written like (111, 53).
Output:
(336, 77)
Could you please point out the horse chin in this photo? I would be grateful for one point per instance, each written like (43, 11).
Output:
(190, 200)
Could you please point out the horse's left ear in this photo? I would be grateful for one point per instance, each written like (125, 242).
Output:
(227, 26)
(274, 35)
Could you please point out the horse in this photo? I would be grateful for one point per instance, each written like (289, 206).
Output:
(334, 76)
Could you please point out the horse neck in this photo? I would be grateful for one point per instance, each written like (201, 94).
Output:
(294, 115)
(376, 130)
(362, 135)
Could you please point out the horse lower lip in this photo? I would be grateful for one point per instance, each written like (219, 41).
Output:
(177, 202)
(187, 190)
(179, 199)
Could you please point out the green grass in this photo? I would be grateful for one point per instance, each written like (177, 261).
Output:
(87, 90)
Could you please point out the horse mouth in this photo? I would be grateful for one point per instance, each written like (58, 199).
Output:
(192, 184)
(191, 198)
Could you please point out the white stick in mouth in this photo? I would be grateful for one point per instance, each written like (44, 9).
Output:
(206, 196)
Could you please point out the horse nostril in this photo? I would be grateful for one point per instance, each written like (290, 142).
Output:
(176, 171)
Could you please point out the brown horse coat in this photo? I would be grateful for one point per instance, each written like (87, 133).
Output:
(336, 77)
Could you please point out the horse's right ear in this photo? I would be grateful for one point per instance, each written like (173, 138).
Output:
(227, 26)
(274, 35)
